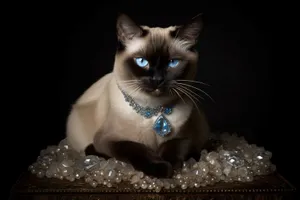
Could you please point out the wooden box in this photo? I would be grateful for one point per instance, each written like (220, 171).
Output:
(266, 187)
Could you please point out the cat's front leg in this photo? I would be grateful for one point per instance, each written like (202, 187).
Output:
(138, 155)
(142, 158)
(178, 150)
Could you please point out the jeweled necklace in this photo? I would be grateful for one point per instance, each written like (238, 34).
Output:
(161, 125)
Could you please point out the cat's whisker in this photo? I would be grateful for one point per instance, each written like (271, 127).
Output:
(190, 91)
(136, 89)
(193, 81)
(191, 98)
(130, 86)
(174, 89)
(128, 81)
(188, 85)
(181, 89)
(170, 92)
(131, 83)
(133, 90)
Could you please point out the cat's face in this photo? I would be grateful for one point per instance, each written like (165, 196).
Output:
(152, 59)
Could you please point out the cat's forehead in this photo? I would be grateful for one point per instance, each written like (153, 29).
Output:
(157, 39)
(158, 36)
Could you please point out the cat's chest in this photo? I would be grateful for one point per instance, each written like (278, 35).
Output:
(147, 129)
(134, 126)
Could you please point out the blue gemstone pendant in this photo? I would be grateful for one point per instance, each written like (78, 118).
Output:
(162, 126)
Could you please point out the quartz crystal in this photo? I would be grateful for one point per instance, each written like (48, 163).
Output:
(234, 160)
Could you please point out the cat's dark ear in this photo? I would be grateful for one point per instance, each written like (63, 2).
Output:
(191, 30)
(127, 29)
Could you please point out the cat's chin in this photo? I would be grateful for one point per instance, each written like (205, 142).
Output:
(157, 93)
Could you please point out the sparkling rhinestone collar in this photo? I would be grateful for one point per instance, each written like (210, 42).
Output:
(161, 126)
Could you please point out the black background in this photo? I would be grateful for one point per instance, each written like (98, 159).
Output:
(59, 50)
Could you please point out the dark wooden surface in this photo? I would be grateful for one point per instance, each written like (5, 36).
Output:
(30, 187)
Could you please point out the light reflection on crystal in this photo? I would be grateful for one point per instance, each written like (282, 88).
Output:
(162, 126)
(234, 160)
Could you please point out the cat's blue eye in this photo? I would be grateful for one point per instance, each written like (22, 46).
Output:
(141, 62)
(173, 63)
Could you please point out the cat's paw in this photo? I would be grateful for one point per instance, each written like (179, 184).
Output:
(177, 164)
(174, 160)
(161, 169)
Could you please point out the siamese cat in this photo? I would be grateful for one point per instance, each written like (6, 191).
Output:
(142, 112)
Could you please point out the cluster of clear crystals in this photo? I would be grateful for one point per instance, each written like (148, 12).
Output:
(234, 160)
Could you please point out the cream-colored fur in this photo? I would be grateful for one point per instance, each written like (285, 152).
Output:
(102, 107)
(101, 114)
